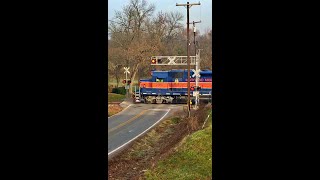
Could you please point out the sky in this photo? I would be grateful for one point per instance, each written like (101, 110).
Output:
(201, 12)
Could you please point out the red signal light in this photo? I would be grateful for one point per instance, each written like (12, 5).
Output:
(153, 61)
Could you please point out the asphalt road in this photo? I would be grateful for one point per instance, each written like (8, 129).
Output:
(133, 122)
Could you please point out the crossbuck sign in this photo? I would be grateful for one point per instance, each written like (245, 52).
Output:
(126, 70)
(196, 73)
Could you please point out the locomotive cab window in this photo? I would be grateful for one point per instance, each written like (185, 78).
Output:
(177, 75)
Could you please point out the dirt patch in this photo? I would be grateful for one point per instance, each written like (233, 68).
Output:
(114, 108)
(154, 146)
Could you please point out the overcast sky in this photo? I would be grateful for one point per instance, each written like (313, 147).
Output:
(201, 12)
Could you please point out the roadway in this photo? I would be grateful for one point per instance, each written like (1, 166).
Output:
(134, 121)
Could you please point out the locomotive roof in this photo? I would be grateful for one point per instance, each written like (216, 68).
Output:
(206, 71)
(203, 72)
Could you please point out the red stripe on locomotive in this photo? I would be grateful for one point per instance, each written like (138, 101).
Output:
(167, 85)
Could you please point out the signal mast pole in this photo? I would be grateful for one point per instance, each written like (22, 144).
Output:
(197, 63)
(188, 44)
(126, 71)
(194, 35)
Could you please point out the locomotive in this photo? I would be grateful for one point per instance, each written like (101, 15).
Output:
(171, 86)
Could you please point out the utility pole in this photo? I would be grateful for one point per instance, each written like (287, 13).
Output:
(188, 44)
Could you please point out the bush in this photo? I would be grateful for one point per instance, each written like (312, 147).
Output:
(119, 90)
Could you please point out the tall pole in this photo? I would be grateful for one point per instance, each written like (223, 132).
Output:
(188, 55)
(188, 59)
(194, 39)
(126, 84)
(197, 62)
(126, 71)
(194, 35)
(197, 77)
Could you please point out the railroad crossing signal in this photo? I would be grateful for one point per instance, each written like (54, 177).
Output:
(196, 73)
(126, 70)
(153, 61)
(126, 81)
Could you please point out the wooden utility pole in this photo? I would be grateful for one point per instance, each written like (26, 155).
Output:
(188, 44)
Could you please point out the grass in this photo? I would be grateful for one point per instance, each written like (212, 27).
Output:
(192, 160)
(148, 144)
(112, 97)
(113, 110)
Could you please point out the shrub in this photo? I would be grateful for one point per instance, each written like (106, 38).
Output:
(119, 90)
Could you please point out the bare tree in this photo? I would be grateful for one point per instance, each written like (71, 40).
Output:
(206, 44)
(136, 35)
(127, 30)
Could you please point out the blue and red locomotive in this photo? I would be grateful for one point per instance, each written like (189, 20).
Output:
(171, 86)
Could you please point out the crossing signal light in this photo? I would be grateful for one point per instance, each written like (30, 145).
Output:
(197, 88)
(129, 81)
(124, 81)
(153, 61)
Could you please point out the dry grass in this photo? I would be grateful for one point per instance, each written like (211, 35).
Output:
(192, 158)
(169, 144)
(113, 109)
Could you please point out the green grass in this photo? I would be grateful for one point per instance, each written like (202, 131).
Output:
(193, 160)
(115, 97)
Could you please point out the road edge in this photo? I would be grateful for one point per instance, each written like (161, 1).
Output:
(123, 145)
